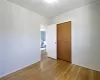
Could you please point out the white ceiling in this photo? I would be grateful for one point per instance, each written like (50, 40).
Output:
(54, 9)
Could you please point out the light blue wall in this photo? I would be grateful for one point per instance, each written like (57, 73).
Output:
(43, 35)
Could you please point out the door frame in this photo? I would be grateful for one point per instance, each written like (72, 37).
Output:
(57, 38)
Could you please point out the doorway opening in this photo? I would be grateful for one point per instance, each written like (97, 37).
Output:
(43, 42)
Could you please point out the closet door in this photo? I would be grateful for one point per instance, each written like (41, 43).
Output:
(64, 41)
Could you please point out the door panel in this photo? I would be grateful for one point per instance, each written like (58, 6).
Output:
(51, 41)
(64, 41)
(60, 48)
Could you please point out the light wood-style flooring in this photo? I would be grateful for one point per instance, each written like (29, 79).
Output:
(50, 69)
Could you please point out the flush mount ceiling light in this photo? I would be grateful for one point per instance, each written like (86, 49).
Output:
(50, 1)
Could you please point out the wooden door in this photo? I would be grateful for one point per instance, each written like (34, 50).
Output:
(64, 41)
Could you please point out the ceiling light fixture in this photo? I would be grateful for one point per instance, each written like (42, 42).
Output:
(50, 1)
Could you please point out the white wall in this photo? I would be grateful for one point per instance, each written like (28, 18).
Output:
(85, 35)
(19, 37)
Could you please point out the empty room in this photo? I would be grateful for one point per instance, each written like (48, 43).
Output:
(49, 39)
